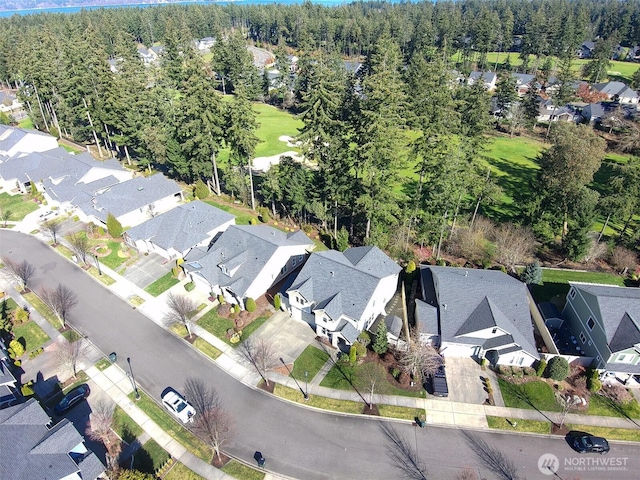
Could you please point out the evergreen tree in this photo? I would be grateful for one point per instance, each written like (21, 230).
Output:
(380, 343)
(114, 227)
(532, 274)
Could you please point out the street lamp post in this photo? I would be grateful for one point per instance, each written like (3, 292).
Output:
(95, 257)
(306, 384)
(304, 394)
(132, 378)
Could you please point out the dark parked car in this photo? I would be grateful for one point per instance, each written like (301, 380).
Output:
(590, 444)
(72, 398)
(439, 383)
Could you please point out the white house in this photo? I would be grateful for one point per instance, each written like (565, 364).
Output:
(246, 260)
(342, 294)
(174, 233)
(480, 314)
(488, 79)
(15, 141)
(617, 91)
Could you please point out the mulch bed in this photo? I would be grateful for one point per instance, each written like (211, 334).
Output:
(267, 388)
(191, 339)
(220, 462)
(370, 411)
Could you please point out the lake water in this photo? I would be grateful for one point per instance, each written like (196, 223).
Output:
(30, 11)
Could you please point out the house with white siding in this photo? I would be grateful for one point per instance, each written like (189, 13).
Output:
(16, 141)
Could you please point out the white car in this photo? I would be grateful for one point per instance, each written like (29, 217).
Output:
(176, 404)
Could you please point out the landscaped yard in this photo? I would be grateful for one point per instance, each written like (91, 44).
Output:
(20, 205)
(311, 361)
(218, 326)
(556, 283)
(167, 423)
(242, 217)
(150, 457)
(162, 284)
(33, 335)
(536, 394)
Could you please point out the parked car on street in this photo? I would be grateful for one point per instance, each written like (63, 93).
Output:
(590, 444)
(72, 398)
(178, 405)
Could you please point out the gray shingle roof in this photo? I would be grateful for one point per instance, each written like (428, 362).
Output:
(470, 300)
(548, 310)
(29, 450)
(6, 377)
(182, 227)
(616, 88)
(257, 242)
(348, 331)
(11, 136)
(426, 318)
(343, 283)
(619, 309)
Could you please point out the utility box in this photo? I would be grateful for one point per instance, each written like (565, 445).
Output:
(113, 357)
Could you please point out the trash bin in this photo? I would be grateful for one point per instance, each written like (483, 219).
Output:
(420, 422)
(113, 357)
(261, 462)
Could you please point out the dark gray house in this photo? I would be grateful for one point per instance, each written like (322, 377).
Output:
(606, 322)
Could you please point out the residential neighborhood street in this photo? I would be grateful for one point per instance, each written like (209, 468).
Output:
(298, 442)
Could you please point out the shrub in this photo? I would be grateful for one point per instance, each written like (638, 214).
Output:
(361, 350)
(250, 305)
(27, 389)
(221, 299)
(306, 228)
(36, 352)
(411, 267)
(20, 315)
(364, 338)
(100, 231)
(175, 271)
(380, 343)
(114, 227)
(529, 371)
(277, 301)
(558, 368)
(253, 221)
(395, 372)
(18, 363)
(232, 309)
(541, 367)
(353, 355)
(517, 372)
(505, 370)
(16, 349)
(189, 286)
(593, 380)
(532, 274)
(201, 190)
(441, 263)
(263, 214)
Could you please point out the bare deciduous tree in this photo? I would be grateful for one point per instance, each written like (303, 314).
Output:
(99, 428)
(261, 355)
(467, 473)
(60, 301)
(468, 243)
(20, 272)
(405, 458)
(369, 376)
(211, 422)
(514, 244)
(624, 259)
(52, 228)
(567, 403)
(68, 354)
(596, 249)
(491, 457)
(80, 245)
(180, 309)
(419, 358)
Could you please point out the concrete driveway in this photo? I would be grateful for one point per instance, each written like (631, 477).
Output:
(288, 336)
(147, 269)
(465, 384)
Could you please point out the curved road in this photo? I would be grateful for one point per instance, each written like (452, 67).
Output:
(296, 441)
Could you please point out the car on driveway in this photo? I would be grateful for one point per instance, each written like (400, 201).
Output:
(178, 406)
(590, 444)
(72, 398)
(439, 382)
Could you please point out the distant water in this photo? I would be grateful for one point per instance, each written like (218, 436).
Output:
(31, 11)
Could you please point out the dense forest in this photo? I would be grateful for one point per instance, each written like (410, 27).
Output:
(402, 112)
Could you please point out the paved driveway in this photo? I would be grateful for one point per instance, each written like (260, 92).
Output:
(465, 384)
(288, 336)
(147, 269)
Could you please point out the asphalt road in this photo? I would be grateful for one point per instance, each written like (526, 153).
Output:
(296, 441)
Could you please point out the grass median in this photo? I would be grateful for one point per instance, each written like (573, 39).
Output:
(242, 471)
(519, 425)
(42, 309)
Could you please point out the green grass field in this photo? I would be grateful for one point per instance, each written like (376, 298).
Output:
(556, 283)
(274, 123)
(534, 426)
(310, 361)
(32, 335)
(536, 395)
(241, 471)
(150, 458)
(19, 205)
(180, 472)
(160, 285)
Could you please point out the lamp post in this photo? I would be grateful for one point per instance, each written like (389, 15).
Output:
(306, 384)
(132, 378)
(95, 257)
(304, 394)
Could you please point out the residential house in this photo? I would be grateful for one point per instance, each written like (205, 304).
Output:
(524, 82)
(479, 313)
(149, 56)
(340, 294)
(605, 320)
(617, 92)
(593, 112)
(31, 448)
(16, 141)
(205, 44)
(246, 260)
(488, 79)
(51, 167)
(10, 105)
(586, 49)
(174, 233)
(549, 112)
(7, 380)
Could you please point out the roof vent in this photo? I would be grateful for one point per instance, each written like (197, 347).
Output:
(332, 274)
(444, 305)
(466, 273)
(140, 188)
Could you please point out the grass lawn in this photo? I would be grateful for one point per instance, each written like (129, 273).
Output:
(274, 123)
(216, 325)
(311, 361)
(536, 395)
(180, 472)
(136, 301)
(162, 284)
(26, 123)
(556, 282)
(345, 406)
(404, 413)
(242, 217)
(7, 305)
(252, 327)
(104, 278)
(33, 335)
(124, 426)
(341, 376)
(609, 433)
(241, 471)
(71, 335)
(206, 348)
(40, 306)
(176, 431)
(113, 260)
(20, 205)
(150, 458)
(102, 364)
(599, 405)
(534, 426)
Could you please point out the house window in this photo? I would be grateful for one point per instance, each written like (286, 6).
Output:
(294, 262)
(520, 360)
(590, 343)
(283, 270)
(591, 323)
(494, 330)
(583, 339)
(300, 258)
(572, 293)
(598, 358)
(625, 358)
